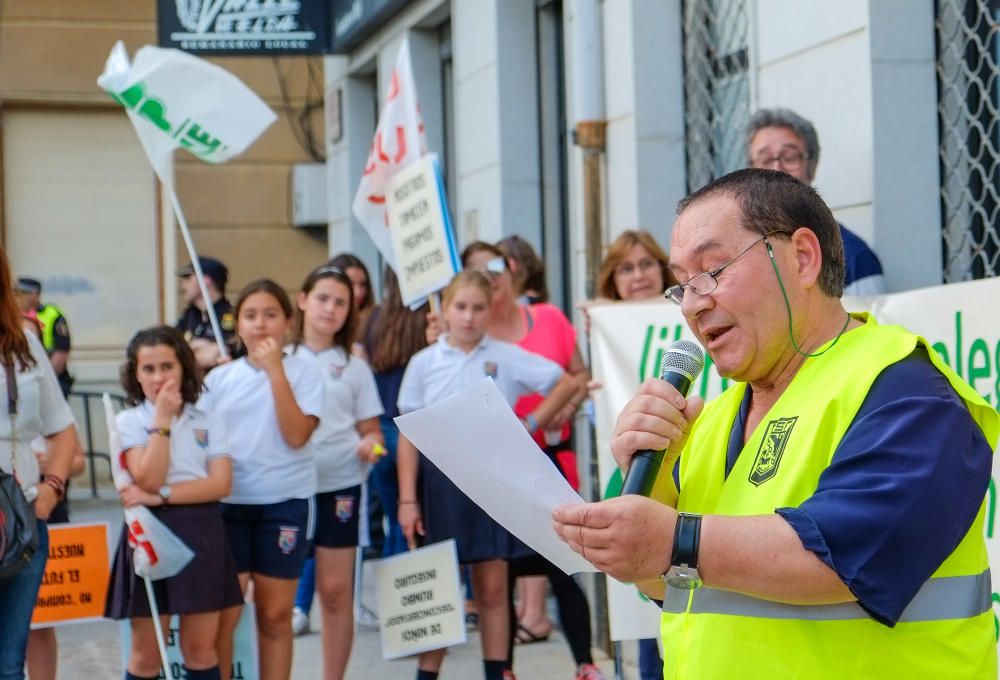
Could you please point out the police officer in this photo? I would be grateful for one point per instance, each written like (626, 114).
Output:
(55, 330)
(194, 322)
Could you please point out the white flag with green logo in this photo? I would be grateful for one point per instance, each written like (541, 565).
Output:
(177, 100)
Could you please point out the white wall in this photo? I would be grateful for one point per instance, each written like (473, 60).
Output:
(863, 72)
(645, 113)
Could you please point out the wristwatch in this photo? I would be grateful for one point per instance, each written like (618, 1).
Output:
(164, 492)
(683, 572)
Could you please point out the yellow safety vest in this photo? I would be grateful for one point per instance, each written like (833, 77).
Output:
(947, 631)
(48, 315)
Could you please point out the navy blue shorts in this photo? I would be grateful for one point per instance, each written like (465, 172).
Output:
(271, 539)
(337, 514)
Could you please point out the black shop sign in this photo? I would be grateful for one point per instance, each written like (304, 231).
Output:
(245, 27)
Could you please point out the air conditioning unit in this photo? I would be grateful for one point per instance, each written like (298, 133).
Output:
(309, 207)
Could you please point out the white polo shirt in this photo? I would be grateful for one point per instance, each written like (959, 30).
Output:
(440, 370)
(196, 437)
(265, 468)
(349, 395)
(41, 410)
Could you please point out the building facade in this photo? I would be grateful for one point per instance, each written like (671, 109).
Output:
(80, 207)
(903, 95)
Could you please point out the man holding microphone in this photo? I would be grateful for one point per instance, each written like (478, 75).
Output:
(823, 518)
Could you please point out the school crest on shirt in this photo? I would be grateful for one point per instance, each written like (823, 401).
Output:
(201, 437)
(288, 538)
(490, 368)
(337, 370)
(772, 446)
(344, 508)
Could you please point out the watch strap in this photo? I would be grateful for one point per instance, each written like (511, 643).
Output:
(687, 538)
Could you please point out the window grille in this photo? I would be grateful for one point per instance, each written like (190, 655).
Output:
(968, 52)
(716, 88)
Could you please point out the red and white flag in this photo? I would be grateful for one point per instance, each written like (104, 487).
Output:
(157, 552)
(399, 140)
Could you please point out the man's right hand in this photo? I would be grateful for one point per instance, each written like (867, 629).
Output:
(657, 418)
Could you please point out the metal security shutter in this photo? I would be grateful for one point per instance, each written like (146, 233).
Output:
(80, 212)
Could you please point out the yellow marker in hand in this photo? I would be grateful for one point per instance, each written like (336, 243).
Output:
(378, 449)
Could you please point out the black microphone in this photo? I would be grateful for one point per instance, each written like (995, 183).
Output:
(682, 362)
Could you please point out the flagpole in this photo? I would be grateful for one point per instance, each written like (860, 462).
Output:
(157, 626)
(196, 264)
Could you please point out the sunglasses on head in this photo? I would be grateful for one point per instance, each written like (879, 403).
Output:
(494, 267)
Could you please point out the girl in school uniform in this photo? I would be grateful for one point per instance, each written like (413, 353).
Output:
(347, 439)
(178, 457)
(270, 404)
(435, 509)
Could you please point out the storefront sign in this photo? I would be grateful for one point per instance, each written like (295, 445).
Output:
(245, 27)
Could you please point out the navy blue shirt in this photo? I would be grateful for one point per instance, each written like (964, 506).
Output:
(860, 261)
(902, 488)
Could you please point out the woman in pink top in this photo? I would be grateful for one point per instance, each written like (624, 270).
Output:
(542, 329)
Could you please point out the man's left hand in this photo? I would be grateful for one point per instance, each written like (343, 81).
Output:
(629, 537)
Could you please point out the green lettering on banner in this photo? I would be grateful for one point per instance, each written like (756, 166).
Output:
(995, 598)
(991, 507)
(646, 344)
(979, 369)
(996, 366)
(958, 343)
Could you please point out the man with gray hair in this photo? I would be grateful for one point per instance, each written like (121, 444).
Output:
(780, 139)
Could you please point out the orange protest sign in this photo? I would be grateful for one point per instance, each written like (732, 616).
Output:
(76, 574)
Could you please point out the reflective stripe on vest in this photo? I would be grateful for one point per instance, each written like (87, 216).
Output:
(950, 597)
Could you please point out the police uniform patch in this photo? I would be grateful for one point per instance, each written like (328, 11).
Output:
(201, 437)
(227, 322)
(490, 367)
(288, 538)
(61, 328)
(344, 508)
(776, 436)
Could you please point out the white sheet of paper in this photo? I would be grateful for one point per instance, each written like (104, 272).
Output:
(476, 440)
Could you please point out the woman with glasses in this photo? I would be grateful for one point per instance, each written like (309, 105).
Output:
(634, 268)
(544, 330)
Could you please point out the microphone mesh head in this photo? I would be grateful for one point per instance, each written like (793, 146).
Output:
(684, 357)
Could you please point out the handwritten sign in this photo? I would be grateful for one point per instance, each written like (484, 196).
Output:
(422, 238)
(75, 582)
(420, 600)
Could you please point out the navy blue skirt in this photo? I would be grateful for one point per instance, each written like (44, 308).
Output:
(448, 513)
(208, 583)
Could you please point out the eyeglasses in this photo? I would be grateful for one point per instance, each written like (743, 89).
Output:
(791, 159)
(707, 282)
(494, 267)
(644, 265)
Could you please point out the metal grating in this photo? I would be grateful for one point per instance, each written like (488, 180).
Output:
(716, 88)
(968, 53)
